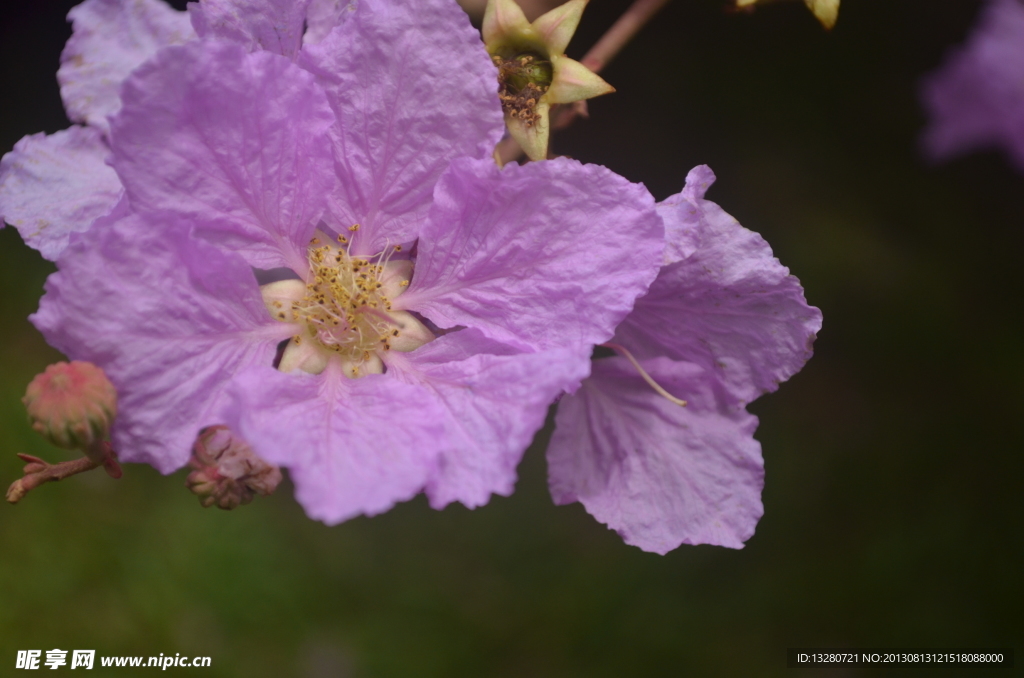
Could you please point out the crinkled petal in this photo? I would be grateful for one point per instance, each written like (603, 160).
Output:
(681, 215)
(659, 474)
(494, 399)
(52, 186)
(406, 106)
(977, 98)
(234, 143)
(545, 255)
(730, 307)
(271, 25)
(111, 39)
(353, 446)
(323, 15)
(168, 318)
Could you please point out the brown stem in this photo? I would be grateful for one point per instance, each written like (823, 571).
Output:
(608, 46)
(621, 32)
(38, 472)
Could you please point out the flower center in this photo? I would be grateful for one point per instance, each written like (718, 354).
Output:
(523, 79)
(343, 310)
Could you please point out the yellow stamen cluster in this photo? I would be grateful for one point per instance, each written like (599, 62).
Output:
(345, 310)
(342, 312)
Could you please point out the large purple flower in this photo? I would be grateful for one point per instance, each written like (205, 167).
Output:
(723, 323)
(429, 305)
(977, 98)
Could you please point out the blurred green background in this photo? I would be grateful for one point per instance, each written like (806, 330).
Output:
(892, 511)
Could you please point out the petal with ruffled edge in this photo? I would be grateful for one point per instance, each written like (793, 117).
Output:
(545, 255)
(730, 307)
(168, 318)
(412, 90)
(52, 186)
(494, 399)
(659, 474)
(681, 215)
(977, 98)
(353, 446)
(233, 143)
(111, 39)
(323, 15)
(272, 25)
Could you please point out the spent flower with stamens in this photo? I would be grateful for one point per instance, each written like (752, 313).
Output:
(533, 71)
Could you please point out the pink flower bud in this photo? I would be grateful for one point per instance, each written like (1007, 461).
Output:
(227, 472)
(71, 405)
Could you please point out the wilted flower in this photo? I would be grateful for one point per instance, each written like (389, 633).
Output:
(359, 169)
(227, 473)
(723, 323)
(533, 71)
(976, 99)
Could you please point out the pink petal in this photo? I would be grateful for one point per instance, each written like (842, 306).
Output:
(657, 473)
(353, 446)
(323, 15)
(730, 307)
(52, 186)
(168, 318)
(271, 25)
(111, 39)
(412, 91)
(233, 143)
(493, 400)
(976, 98)
(547, 255)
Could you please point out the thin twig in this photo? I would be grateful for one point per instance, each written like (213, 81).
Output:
(38, 472)
(621, 32)
(608, 47)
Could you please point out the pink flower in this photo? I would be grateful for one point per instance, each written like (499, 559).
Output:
(723, 323)
(427, 369)
(976, 99)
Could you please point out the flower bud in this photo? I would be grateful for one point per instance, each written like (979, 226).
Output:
(71, 405)
(227, 472)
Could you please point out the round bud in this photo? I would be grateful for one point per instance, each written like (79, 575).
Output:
(71, 404)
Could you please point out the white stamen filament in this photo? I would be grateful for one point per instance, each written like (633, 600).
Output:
(624, 352)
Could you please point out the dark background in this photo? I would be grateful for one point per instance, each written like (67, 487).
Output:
(892, 510)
